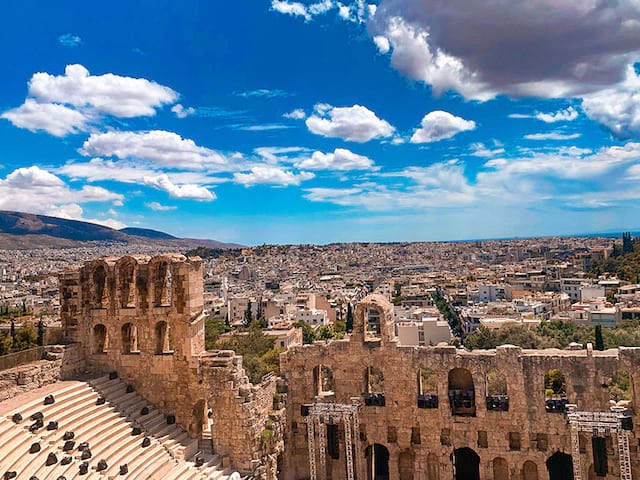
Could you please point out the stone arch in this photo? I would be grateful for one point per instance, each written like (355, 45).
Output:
(100, 338)
(427, 388)
(500, 469)
(129, 334)
(100, 290)
(164, 340)
(433, 467)
(373, 320)
(560, 466)
(127, 282)
(162, 283)
(377, 460)
(496, 390)
(323, 384)
(406, 465)
(529, 470)
(466, 464)
(461, 392)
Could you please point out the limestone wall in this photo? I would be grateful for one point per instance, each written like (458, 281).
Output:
(421, 441)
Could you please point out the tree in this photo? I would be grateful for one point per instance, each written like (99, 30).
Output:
(349, 318)
(599, 339)
(308, 333)
(13, 333)
(627, 243)
(40, 333)
(248, 316)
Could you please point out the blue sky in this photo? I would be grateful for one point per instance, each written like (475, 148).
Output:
(312, 122)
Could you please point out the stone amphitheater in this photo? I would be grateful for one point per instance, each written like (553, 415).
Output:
(132, 393)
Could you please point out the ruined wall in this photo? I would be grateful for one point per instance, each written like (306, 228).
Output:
(59, 363)
(143, 318)
(422, 441)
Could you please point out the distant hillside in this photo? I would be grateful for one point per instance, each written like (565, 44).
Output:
(147, 233)
(25, 230)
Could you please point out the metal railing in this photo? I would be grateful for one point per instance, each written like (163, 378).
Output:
(12, 360)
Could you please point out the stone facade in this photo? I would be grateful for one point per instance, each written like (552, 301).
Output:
(423, 443)
(143, 318)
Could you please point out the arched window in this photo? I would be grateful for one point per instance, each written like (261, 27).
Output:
(374, 385)
(377, 458)
(127, 285)
(560, 466)
(529, 471)
(164, 343)
(405, 465)
(500, 469)
(427, 389)
(462, 393)
(162, 285)
(100, 297)
(433, 467)
(555, 391)
(466, 464)
(323, 381)
(100, 339)
(496, 387)
(129, 338)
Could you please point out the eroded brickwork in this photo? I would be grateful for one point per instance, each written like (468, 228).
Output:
(422, 442)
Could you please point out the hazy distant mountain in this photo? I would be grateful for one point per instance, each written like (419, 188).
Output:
(27, 230)
(146, 232)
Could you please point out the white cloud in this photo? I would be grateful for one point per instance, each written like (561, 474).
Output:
(341, 159)
(618, 108)
(271, 175)
(182, 112)
(552, 136)
(566, 115)
(159, 207)
(34, 190)
(297, 114)
(164, 148)
(382, 43)
(69, 40)
(580, 47)
(262, 128)
(52, 118)
(298, 9)
(355, 123)
(263, 92)
(481, 150)
(195, 192)
(439, 125)
(107, 94)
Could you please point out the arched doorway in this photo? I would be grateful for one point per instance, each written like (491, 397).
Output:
(377, 459)
(500, 469)
(405, 465)
(466, 464)
(560, 466)
(529, 471)
(201, 426)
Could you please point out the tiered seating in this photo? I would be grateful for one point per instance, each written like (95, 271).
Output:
(108, 428)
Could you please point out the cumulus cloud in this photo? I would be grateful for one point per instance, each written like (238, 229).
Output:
(552, 136)
(69, 40)
(618, 108)
(341, 159)
(158, 207)
(297, 114)
(439, 125)
(382, 43)
(566, 115)
(190, 191)
(182, 112)
(355, 123)
(52, 118)
(35, 190)
(298, 9)
(521, 48)
(271, 175)
(164, 148)
(111, 94)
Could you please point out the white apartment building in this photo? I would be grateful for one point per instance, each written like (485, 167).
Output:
(428, 331)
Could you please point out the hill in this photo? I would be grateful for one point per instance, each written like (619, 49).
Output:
(26, 230)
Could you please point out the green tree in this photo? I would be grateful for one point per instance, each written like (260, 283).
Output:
(308, 333)
(349, 322)
(599, 340)
(12, 332)
(40, 333)
(213, 328)
(248, 315)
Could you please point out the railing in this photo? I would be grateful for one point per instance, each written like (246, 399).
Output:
(12, 360)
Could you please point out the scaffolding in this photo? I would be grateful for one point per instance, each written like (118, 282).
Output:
(328, 413)
(600, 424)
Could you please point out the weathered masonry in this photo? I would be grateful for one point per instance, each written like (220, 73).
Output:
(142, 317)
(367, 408)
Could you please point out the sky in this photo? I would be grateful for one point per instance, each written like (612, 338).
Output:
(277, 121)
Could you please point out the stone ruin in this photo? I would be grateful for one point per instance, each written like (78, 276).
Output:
(359, 408)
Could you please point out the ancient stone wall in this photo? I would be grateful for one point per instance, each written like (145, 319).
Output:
(59, 363)
(421, 442)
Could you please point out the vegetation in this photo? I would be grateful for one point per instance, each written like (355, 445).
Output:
(449, 314)
(19, 339)
(554, 383)
(623, 263)
(213, 328)
(620, 387)
(325, 332)
(599, 340)
(349, 323)
(555, 334)
(207, 252)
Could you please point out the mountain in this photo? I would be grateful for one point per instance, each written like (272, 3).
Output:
(146, 232)
(26, 230)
